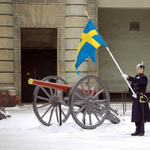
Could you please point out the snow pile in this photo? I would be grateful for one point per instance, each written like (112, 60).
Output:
(24, 132)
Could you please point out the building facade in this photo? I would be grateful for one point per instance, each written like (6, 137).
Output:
(39, 38)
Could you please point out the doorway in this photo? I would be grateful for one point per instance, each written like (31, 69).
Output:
(38, 58)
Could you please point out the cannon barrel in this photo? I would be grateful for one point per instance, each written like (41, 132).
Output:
(61, 87)
(57, 86)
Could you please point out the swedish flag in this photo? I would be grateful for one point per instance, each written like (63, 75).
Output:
(89, 42)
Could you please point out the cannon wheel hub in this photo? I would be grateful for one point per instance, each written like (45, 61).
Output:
(89, 103)
(55, 101)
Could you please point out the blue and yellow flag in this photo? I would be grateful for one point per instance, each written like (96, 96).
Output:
(89, 42)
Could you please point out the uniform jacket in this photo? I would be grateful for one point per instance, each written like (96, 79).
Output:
(140, 111)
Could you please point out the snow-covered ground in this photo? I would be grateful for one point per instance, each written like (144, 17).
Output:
(24, 132)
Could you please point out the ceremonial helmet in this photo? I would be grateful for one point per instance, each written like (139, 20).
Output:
(141, 66)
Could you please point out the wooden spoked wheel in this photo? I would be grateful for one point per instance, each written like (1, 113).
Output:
(89, 102)
(46, 102)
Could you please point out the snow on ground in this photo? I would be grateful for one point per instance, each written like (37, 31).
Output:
(24, 132)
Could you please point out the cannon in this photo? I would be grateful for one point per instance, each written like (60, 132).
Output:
(88, 101)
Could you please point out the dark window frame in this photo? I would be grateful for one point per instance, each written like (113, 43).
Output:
(134, 26)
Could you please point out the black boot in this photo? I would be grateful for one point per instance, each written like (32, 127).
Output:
(135, 133)
(141, 134)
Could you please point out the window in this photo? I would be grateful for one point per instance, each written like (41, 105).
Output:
(134, 26)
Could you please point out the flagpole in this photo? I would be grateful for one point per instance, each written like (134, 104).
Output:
(86, 14)
(121, 71)
(134, 94)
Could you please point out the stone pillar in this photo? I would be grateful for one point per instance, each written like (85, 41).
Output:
(75, 23)
(61, 52)
(6, 46)
(6, 43)
(92, 9)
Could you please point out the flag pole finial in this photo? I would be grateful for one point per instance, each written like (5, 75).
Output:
(86, 14)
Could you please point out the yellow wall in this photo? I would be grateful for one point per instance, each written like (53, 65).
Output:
(124, 3)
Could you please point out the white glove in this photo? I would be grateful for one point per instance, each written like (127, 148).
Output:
(134, 96)
(124, 76)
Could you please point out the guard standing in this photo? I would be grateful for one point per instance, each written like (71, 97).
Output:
(140, 107)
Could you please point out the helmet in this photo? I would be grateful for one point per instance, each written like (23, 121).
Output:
(141, 66)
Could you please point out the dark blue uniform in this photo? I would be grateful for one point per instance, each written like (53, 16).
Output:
(140, 111)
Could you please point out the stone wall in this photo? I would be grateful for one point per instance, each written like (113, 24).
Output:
(123, 4)
(65, 15)
(129, 47)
